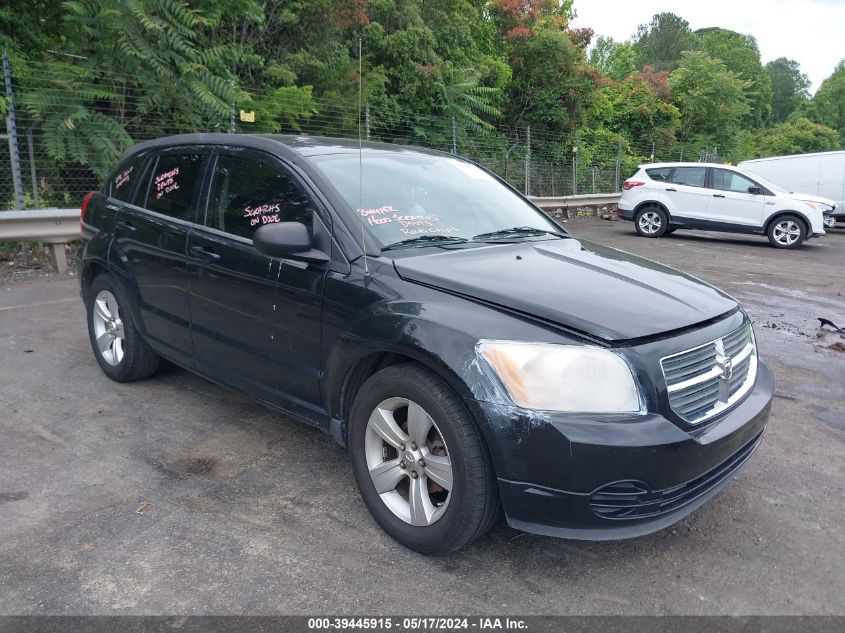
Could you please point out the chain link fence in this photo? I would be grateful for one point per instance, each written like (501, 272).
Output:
(68, 136)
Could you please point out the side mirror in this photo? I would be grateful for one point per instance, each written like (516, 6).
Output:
(757, 191)
(287, 240)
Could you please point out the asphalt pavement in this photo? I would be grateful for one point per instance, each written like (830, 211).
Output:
(175, 496)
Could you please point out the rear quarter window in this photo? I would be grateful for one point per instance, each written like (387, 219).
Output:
(660, 174)
(124, 180)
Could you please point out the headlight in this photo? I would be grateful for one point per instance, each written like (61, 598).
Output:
(569, 378)
(818, 206)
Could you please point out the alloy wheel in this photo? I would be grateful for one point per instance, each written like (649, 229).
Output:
(787, 232)
(408, 461)
(650, 222)
(108, 328)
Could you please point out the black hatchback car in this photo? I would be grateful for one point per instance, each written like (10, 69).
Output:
(474, 357)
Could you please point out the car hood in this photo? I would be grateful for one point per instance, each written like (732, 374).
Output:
(807, 197)
(599, 291)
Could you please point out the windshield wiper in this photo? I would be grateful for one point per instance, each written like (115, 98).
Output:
(426, 240)
(517, 231)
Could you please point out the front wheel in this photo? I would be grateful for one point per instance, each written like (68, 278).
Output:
(419, 463)
(651, 222)
(787, 231)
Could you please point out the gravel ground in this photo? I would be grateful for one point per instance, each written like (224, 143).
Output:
(174, 496)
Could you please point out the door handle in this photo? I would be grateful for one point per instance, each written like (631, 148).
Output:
(201, 253)
(671, 190)
(718, 195)
(126, 226)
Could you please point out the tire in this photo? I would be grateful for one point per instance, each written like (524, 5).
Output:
(651, 222)
(124, 356)
(787, 231)
(413, 400)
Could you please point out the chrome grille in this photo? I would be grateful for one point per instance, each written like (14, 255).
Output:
(707, 379)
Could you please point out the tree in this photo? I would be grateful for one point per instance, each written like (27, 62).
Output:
(616, 60)
(829, 101)
(464, 100)
(170, 79)
(792, 137)
(711, 100)
(790, 87)
(741, 55)
(550, 84)
(638, 109)
(660, 43)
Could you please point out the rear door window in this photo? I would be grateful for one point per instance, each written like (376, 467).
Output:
(249, 191)
(690, 176)
(173, 184)
(660, 174)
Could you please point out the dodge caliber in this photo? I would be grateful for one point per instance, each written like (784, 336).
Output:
(476, 359)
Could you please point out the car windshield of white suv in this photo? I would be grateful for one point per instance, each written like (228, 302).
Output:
(768, 184)
(406, 198)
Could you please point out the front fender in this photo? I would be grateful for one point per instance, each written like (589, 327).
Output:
(440, 332)
(435, 335)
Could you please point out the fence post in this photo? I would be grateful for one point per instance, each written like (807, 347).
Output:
(594, 178)
(367, 121)
(454, 136)
(12, 131)
(32, 169)
(528, 161)
(232, 111)
(618, 168)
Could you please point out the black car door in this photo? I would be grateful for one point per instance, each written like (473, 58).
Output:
(256, 319)
(151, 240)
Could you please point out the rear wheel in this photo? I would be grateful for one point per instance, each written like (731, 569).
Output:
(651, 222)
(419, 462)
(120, 352)
(787, 231)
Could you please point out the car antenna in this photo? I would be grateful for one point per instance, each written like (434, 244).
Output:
(361, 161)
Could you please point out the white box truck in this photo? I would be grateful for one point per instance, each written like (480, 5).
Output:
(820, 174)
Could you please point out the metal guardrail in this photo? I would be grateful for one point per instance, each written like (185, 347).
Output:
(55, 227)
(581, 200)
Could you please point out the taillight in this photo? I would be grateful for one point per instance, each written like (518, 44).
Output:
(630, 184)
(85, 202)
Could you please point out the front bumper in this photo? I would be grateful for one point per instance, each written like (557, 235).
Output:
(602, 478)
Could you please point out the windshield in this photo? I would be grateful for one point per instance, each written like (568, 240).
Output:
(768, 184)
(407, 195)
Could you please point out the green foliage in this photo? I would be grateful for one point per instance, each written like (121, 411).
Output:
(741, 55)
(660, 43)
(550, 85)
(636, 109)
(711, 100)
(829, 101)
(791, 137)
(790, 87)
(93, 76)
(613, 59)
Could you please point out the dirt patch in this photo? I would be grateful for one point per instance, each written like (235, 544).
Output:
(192, 466)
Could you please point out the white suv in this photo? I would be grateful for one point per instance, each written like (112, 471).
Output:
(662, 197)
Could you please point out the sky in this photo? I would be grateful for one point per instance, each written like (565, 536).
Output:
(812, 32)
